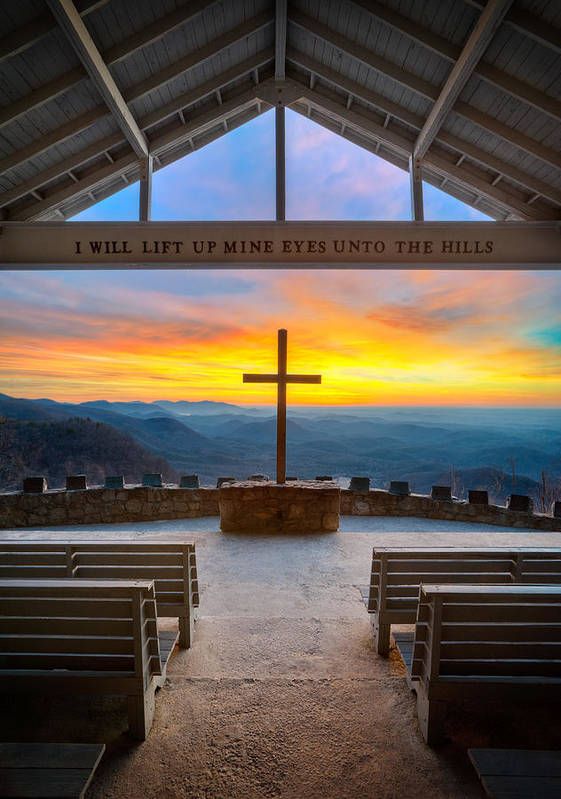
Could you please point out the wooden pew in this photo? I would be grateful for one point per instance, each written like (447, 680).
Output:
(83, 637)
(172, 565)
(41, 769)
(397, 573)
(494, 642)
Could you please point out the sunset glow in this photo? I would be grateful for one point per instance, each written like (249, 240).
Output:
(383, 338)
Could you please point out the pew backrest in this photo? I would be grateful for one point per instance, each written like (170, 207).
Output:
(78, 634)
(397, 573)
(508, 634)
(172, 565)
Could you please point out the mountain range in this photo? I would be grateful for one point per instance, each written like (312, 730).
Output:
(501, 450)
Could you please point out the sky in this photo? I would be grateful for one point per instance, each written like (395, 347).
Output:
(377, 337)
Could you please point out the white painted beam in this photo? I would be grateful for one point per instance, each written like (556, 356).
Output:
(415, 122)
(513, 86)
(78, 35)
(477, 43)
(280, 38)
(423, 88)
(24, 37)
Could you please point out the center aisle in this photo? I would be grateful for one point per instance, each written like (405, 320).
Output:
(282, 694)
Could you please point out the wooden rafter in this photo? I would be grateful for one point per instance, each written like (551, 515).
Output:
(79, 37)
(21, 39)
(462, 70)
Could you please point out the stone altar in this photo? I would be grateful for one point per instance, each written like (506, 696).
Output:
(303, 506)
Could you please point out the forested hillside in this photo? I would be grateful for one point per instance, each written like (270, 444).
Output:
(54, 449)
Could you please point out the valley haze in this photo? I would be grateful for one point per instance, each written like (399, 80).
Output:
(502, 450)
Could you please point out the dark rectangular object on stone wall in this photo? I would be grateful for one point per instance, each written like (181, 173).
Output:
(360, 484)
(189, 481)
(34, 485)
(556, 510)
(521, 503)
(76, 482)
(115, 481)
(222, 480)
(478, 497)
(152, 480)
(441, 493)
(324, 478)
(399, 487)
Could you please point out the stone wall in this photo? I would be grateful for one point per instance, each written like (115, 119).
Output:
(296, 507)
(135, 504)
(382, 503)
(106, 506)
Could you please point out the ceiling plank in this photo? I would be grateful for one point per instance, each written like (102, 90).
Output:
(445, 49)
(78, 35)
(477, 43)
(423, 88)
(27, 35)
(529, 25)
(148, 35)
(180, 102)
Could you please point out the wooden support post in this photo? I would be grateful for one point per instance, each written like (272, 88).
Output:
(281, 408)
(416, 183)
(145, 195)
(280, 164)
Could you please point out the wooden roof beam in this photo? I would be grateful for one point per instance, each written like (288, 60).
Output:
(529, 25)
(334, 106)
(26, 36)
(477, 43)
(445, 49)
(78, 35)
(101, 147)
(280, 38)
(148, 35)
(422, 87)
(415, 121)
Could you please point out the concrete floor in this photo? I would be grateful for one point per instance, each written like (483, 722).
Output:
(282, 694)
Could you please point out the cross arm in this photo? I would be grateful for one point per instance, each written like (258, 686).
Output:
(260, 378)
(303, 378)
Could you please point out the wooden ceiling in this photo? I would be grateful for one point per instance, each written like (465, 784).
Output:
(473, 92)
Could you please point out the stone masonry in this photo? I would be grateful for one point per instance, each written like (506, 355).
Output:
(106, 506)
(295, 507)
(137, 503)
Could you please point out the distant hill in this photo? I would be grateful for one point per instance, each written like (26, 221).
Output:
(54, 449)
(501, 450)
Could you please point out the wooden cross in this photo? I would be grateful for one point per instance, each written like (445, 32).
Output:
(281, 379)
